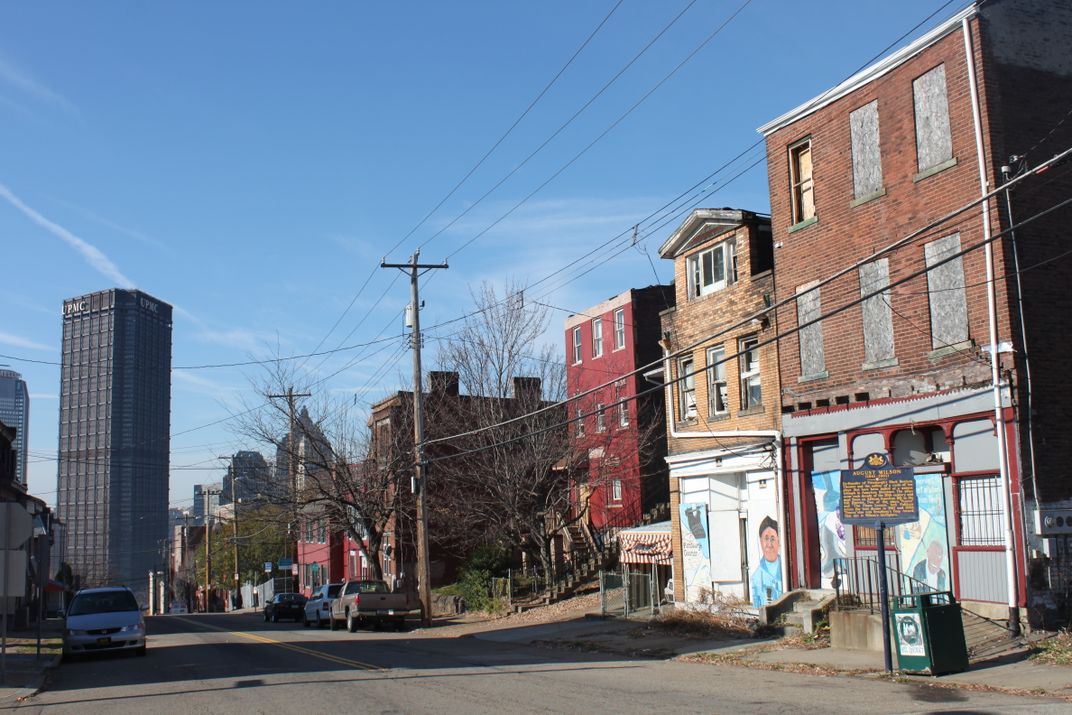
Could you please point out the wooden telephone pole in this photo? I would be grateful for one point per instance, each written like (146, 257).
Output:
(292, 468)
(424, 586)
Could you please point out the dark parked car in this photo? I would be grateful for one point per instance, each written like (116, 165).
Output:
(285, 605)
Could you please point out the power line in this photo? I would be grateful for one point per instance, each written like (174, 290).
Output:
(708, 339)
(911, 237)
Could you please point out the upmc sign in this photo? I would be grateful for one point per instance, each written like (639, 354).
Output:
(75, 306)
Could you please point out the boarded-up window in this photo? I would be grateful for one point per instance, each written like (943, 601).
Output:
(802, 194)
(877, 313)
(933, 142)
(866, 161)
(945, 290)
(812, 360)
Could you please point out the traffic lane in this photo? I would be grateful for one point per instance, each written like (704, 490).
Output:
(185, 656)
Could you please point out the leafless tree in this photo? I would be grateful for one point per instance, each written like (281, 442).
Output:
(325, 450)
(507, 484)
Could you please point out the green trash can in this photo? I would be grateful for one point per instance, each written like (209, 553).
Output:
(928, 633)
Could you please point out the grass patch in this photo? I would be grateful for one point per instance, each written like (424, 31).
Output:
(1056, 650)
(700, 624)
(28, 646)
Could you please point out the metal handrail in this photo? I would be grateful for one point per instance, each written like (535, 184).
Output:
(856, 581)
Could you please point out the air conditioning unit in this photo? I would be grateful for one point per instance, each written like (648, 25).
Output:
(1053, 522)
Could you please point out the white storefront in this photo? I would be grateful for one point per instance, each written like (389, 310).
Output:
(731, 526)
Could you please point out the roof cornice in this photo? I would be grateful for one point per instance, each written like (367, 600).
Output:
(869, 73)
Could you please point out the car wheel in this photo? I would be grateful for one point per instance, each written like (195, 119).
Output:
(351, 622)
(275, 618)
(266, 616)
(332, 624)
(400, 626)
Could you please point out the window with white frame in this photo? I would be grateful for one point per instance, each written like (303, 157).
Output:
(601, 422)
(713, 269)
(616, 490)
(619, 328)
(751, 387)
(580, 421)
(577, 356)
(717, 390)
(623, 414)
(597, 337)
(686, 386)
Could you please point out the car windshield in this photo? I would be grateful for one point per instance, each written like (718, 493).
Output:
(103, 602)
(372, 587)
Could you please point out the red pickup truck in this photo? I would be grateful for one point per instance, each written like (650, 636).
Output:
(372, 602)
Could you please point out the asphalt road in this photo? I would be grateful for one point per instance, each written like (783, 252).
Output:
(239, 664)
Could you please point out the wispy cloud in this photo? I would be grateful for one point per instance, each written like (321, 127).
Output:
(115, 226)
(25, 82)
(89, 252)
(17, 341)
(43, 396)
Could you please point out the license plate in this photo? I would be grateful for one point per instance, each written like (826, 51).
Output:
(104, 641)
(385, 612)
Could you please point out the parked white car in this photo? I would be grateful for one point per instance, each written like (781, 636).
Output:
(103, 619)
(318, 608)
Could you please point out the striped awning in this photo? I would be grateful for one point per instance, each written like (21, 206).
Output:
(646, 545)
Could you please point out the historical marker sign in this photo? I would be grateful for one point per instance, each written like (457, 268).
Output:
(878, 492)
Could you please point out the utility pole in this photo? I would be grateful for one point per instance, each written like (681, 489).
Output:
(236, 599)
(208, 493)
(424, 586)
(292, 468)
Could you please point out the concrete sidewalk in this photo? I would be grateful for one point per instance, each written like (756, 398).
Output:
(1013, 671)
(25, 676)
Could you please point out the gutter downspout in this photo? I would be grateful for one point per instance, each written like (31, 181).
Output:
(775, 436)
(999, 418)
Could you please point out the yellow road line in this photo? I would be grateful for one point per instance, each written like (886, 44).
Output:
(283, 644)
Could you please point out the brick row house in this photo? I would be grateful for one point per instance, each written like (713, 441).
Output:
(897, 354)
(722, 409)
(607, 347)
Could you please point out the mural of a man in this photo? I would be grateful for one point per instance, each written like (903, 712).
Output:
(767, 578)
(929, 570)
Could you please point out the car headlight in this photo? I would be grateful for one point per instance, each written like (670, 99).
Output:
(73, 632)
(131, 628)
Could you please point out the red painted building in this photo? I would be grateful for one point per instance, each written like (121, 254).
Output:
(626, 437)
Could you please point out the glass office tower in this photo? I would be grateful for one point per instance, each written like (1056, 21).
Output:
(15, 412)
(115, 419)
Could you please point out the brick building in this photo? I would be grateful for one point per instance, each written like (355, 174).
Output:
(626, 439)
(721, 368)
(894, 355)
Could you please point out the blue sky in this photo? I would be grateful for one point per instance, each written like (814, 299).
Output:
(250, 163)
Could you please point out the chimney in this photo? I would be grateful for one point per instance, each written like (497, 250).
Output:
(444, 382)
(527, 387)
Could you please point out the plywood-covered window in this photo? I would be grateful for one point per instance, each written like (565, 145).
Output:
(809, 308)
(945, 292)
(877, 314)
(934, 144)
(866, 159)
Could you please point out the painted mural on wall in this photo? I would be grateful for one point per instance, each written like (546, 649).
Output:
(827, 488)
(924, 544)
(766, 582)
(695, 550)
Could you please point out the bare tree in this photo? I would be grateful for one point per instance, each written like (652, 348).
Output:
(337, 475)
(501, 481)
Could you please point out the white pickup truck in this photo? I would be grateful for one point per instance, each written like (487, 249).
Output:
(372, 602)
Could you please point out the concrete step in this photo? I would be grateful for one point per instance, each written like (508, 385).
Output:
(802, 606)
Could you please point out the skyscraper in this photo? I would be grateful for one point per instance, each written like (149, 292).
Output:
(15, 412)
(248, 477)
(115, 415)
